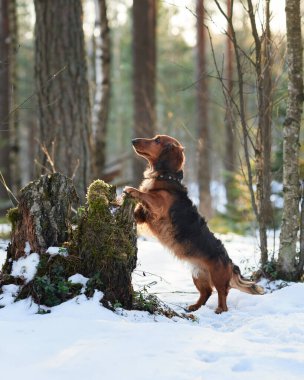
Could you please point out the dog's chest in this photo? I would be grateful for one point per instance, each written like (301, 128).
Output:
(162, 229)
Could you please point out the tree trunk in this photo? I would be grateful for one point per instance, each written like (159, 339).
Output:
(230, 151)
(43, 214)
(62, 88)
(204, 175)
(13, 119)
(288, 263)
(144, 77)
(266, 62)
(263, 135)
(102, 90)
(263, 143)
(4, 101)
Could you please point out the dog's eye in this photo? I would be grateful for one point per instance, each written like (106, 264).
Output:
(157, 140)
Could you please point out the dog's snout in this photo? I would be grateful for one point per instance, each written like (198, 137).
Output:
(134, 141)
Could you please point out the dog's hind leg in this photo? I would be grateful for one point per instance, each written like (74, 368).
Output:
(222, 297)
(221, 275)
(201, 279)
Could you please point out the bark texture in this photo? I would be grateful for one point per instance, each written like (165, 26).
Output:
(263, 135)
(144, 76)
(230, 142)
(266, 117)
(42, 218)
(62, 88)
(288, 260)
(4, 101)
(102, 90)
(204, 175)
(13, 118)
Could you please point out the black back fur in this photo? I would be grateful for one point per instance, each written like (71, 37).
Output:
(191, 228)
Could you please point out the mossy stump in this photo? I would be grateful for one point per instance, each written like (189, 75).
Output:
(42, 218)
(106, 242)
(102, 245)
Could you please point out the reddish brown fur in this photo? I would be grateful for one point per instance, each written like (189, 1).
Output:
(156, 198)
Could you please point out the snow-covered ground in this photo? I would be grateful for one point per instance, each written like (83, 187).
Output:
(261, 337)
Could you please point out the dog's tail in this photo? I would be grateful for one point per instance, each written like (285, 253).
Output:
(239, 282)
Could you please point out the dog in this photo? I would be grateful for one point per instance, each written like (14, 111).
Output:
(164, 206)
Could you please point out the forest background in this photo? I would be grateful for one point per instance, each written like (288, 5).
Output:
(195, 97)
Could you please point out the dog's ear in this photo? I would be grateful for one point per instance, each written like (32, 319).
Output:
(171, 158)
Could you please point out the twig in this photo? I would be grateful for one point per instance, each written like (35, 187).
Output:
(35, 92)
(8, 190)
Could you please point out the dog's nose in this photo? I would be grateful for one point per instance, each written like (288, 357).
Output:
(134, 141)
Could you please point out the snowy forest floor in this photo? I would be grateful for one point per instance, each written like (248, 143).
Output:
(259, 337)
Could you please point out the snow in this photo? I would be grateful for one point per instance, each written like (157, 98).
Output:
(57, 251)
(27, 248)
(259, 337)
(26, 267)
(8, 296)
(78, 279)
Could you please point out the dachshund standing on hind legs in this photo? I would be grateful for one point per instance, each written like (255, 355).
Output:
(164, 206)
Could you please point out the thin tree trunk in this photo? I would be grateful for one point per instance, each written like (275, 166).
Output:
(4, 101)
(62, 88)
(288, 267)
(102, 91)
(260, 200)
(240, 107)
(263, 136)
(13, 119)
(266, 62)
(204, 176)
(230, 142)
(144, 77)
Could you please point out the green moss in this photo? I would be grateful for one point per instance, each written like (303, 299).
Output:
(99, 195)
(106, 242)
(103, 232)
(58, 265)
(13, 216)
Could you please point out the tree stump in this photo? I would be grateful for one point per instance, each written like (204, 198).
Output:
(102, 245)
(43, 216)
(106, 242)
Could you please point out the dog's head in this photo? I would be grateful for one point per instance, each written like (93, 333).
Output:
(164, 153)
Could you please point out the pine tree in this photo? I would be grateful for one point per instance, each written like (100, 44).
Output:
(62, 88)
(144, 76)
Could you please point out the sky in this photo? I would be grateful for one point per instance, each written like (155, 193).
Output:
(184, 20)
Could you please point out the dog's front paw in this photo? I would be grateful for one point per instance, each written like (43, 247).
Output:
(130, 190)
